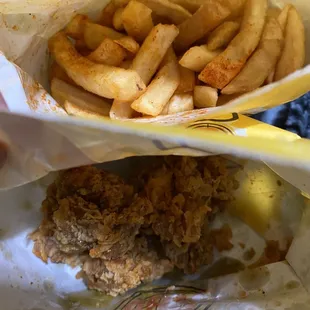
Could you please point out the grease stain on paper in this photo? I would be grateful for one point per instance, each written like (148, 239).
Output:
(252, 279)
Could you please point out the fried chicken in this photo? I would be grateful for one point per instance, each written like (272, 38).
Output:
(141, 264)
(184, 191)
(191, 256)
(122, 235)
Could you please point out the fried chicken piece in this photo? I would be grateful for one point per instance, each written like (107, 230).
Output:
(191, 256)
(182, 191)
(123, 235)
(141, 264)
(103, 188)
(76, 226)
(46, 248)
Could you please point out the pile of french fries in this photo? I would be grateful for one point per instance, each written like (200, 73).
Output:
(146, 58)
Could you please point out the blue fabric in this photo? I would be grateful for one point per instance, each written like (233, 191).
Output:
(293, 116)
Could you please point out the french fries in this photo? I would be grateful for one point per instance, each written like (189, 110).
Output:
(205, 19)
(179, 103)
(102, 80)
(56, 72)
(81, 47)
(191, 5)
(169, 56)
(78, 100)
(75, 110)
(95, 33)
(151, 58)
(107, 14)
(222, 35)
(273, 12)
(282, 20)
(126, 64)
(222, 69)
(197, 57)
(205, 97)
(137, 20)
(75, 28)
(159, 92)
(129, 44)
(118, 19)
(121, 3)
(121, 110)
(187, 80)
(293, 55)
(164, 8)
(261, 63)
(153, 51)
(108, 53)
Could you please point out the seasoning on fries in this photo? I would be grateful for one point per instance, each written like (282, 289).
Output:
(222, 69)
(160, 57)
(261, 63)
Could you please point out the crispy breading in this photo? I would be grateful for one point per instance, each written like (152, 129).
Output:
(122, 235)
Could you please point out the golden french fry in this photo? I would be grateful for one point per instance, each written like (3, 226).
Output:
(95, 33)
(121, 3)
(187, 80)
(169, 56)
(75, 110)
(207, 17)
(205, 97)
(102, 80)
(223, 68)
(81, 47)
(137, 20)
(75, 28)
(191, 5)
(159, 92)
(80, 44)
(121, 110)
(197, 57)
(222, 35)
(293, 55)
(273, 12)
(80, 100)
(270, 77)
(223, 99)
(129, 44)
(57, 72)
(261, 63)
(118, 20)
(108, 53)
(282, 18)
(126, 64)
(107, 14)
(164, 8)
(153, 50)
(179, 103)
